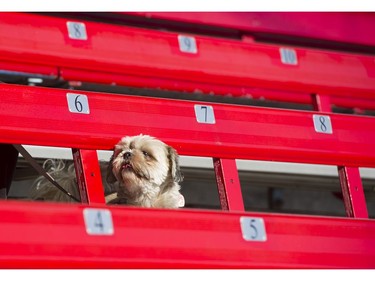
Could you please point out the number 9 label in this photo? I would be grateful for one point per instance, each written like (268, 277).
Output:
(187, 44)
(78, 103)
(253, 229)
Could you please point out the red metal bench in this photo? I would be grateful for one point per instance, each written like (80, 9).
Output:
(39, 235)
(148, 58)
(147, 238)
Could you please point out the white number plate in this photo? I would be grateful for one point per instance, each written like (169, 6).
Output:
(187, 44)
(77, 30)
(322, 124)
(78, 103)
(253, 229)
(288, 56)
(204, 114)
(98, 221)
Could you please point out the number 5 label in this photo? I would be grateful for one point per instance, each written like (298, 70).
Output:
(78, 103)
(253, 229)
(98, 221)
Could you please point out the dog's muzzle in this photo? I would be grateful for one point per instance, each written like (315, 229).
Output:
(127, 155)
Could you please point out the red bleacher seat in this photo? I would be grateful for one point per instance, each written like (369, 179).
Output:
(35, 234)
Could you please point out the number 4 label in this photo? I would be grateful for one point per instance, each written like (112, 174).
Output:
(98, 221)
(78, 103)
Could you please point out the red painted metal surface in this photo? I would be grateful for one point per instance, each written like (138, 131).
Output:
(88, 175)
(152, 238)
(321, 103)
(153, 59)
(193, 86)
(241, 132)
(228, 184)
(333, 26)
(31, 69)
(350, 180)
(37, 235)
(352, 190)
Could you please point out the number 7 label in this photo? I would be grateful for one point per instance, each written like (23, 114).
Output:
(204, 114)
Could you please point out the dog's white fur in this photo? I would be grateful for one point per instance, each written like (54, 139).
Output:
(64, 174)
(58, 169)
(147, 171)
(143, 171)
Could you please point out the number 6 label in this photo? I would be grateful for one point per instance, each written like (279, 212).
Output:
(98, 221)
(253, 229)
(78, 103)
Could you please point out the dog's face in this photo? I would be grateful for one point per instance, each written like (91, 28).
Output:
(143, 161)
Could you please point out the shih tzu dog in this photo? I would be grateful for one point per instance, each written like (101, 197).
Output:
(143, 171)
(147, 171)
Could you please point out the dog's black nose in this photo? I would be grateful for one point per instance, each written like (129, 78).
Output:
(127, 155)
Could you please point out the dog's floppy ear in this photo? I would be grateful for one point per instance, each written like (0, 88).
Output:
(174, 165)
(110, 176)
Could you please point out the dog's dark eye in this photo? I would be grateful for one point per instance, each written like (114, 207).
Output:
(145, 153)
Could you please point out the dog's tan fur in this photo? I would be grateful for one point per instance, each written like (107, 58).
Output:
(143, 171)
(147, 171)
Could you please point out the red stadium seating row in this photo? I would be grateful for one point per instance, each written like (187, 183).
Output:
(122, 55)
(39, 235)
(152, 238)
(335, 27)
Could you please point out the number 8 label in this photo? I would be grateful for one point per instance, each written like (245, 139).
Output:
(78, 103)
(322, 124)
(77, 30)
(204, 114)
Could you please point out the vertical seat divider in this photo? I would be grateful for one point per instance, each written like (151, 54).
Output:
(228, 184)
(88, 176)
(352, 190)
(350, 180)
